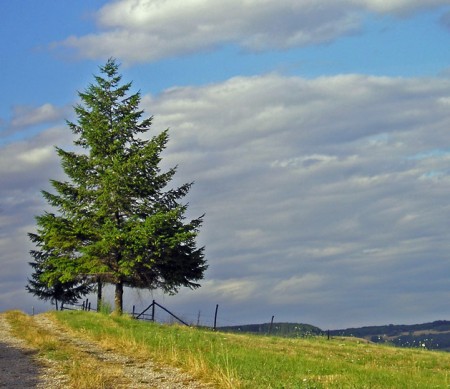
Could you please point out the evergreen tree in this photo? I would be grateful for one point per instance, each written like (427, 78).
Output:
(41, 283)
(118, 222)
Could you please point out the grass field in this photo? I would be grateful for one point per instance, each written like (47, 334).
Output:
(250, 361)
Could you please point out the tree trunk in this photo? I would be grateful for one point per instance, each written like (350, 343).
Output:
(56, 304)
(118, 298)
(99, 293)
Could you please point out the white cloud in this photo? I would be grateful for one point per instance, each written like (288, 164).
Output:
(24, 116)
(399, 6)
(28, 119)
(37, 156)
(310, 179)
(291, 289)
(148, 30)
(26, 167)
(237, 290)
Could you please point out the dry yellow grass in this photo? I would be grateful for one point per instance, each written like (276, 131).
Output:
(82, 370)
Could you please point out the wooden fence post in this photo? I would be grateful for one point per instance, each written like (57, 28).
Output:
(271, 324)
(215, 317)
(153, 310)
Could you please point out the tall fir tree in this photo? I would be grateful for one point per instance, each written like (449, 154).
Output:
(118, 221)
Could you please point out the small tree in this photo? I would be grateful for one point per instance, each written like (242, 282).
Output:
(45, 285)
(118, 221)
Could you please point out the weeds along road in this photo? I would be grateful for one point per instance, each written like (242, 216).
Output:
(88, 364)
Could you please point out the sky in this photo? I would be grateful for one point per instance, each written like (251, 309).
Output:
(317, 133)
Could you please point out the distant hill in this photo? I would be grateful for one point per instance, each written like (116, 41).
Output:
(432, 336)
(288, 330)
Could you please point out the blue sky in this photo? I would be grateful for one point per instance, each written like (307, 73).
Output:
(316, 133)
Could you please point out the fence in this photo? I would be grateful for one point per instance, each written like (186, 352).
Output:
(149, 314)
(86, 306)
(153, 305)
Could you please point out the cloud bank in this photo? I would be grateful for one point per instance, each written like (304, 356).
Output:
(314, 196)
(25, 117)
(148, 30)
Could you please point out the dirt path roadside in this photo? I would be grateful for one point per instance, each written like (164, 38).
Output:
(19, 365)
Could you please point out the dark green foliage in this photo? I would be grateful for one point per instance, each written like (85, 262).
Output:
(118, 222)
(45, 283)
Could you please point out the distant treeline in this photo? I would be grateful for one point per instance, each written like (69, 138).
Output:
(432, 336)
(277, 329)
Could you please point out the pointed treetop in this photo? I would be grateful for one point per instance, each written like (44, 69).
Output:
(110, 68)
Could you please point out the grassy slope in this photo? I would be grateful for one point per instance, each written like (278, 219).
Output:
(245, 361)
(268, 362)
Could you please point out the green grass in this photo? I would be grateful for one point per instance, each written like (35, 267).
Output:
(250, 361)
